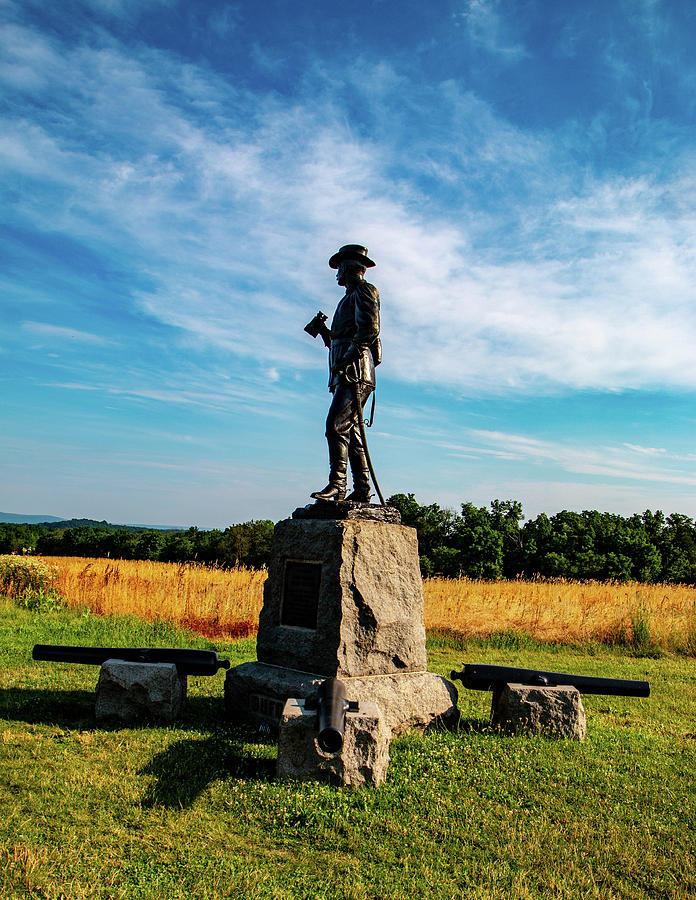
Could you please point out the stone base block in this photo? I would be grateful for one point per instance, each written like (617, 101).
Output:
(134, 691)
(364, 758)
(258, 692)
(556, 711)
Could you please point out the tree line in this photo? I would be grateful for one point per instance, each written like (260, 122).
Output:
(478, 542)
(246, 544)
(491, 543)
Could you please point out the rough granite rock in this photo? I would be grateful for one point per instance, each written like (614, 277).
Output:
(412, 700)
(367, 615)
(347, 509)
(555, 711)
(363, 759)
(134, 691)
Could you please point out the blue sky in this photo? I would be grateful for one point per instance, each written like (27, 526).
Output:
(175, 175)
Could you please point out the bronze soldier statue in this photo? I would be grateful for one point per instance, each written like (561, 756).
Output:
(354, 351)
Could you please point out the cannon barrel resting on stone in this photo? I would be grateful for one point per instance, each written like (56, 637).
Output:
(187, 662)
(493, 678)
(331, 706)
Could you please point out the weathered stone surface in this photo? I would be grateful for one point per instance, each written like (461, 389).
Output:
(363, 760)
(556, 711)
(412, 700)
(347, 509)
(133, 691)
(367, 615)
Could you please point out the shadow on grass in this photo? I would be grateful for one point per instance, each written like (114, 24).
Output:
(75, 710)
(186, 768)
(67, 709)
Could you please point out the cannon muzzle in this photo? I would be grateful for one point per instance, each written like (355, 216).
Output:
(332, 707)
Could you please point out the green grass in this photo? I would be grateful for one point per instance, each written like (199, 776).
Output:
(193, 810)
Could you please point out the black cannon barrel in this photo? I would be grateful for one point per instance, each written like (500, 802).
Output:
(332, 707)
(491, 678)
(188, 662)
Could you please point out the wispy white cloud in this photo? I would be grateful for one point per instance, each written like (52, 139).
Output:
(490, 30)
(227, 200)
(608, 461)
(208, 391)
(58, 332)
(649, 451)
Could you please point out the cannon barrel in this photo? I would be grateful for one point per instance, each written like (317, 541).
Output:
(187, 662)
(332, 707)
(492, 678)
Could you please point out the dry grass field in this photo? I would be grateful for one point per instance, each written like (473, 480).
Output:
(214, 602)
(559, 611)
(226, 603)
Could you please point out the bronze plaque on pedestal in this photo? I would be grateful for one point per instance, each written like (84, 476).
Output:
(301, 582)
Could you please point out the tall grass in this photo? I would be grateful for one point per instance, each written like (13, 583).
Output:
(647, 616)
(210, 601)
(227, 602)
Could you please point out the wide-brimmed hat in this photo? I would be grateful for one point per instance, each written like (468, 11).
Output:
(351, 253)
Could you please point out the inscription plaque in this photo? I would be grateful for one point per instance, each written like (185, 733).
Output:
(263, 707)
(300, 594)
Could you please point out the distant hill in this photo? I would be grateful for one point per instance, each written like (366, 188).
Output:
(77, 523)
(56, 522)
(20, 519)
(158, 527)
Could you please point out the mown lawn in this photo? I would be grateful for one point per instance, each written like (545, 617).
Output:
(194, 811)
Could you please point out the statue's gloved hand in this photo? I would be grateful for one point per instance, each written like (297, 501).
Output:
(349, 370)
(352, 356)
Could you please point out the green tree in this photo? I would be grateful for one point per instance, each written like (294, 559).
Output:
(435, 527)
(505, 518)
(150, 545)
(678, 549)
(16, 538)
(179, 546)
(246, 544)
(479, 544)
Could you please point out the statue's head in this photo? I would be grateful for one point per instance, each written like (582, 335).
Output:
(348, 272)
(351, 262)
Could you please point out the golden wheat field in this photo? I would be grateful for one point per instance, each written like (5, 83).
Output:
(227, 602)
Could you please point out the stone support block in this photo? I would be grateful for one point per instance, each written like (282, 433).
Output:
(134, 691)
(555, 711)
(343, 598)
(414, 700)
(363, 760)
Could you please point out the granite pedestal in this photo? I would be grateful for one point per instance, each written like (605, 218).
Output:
(343, 598)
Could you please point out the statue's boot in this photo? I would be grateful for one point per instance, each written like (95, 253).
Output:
(361, 476)
(335, 490)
